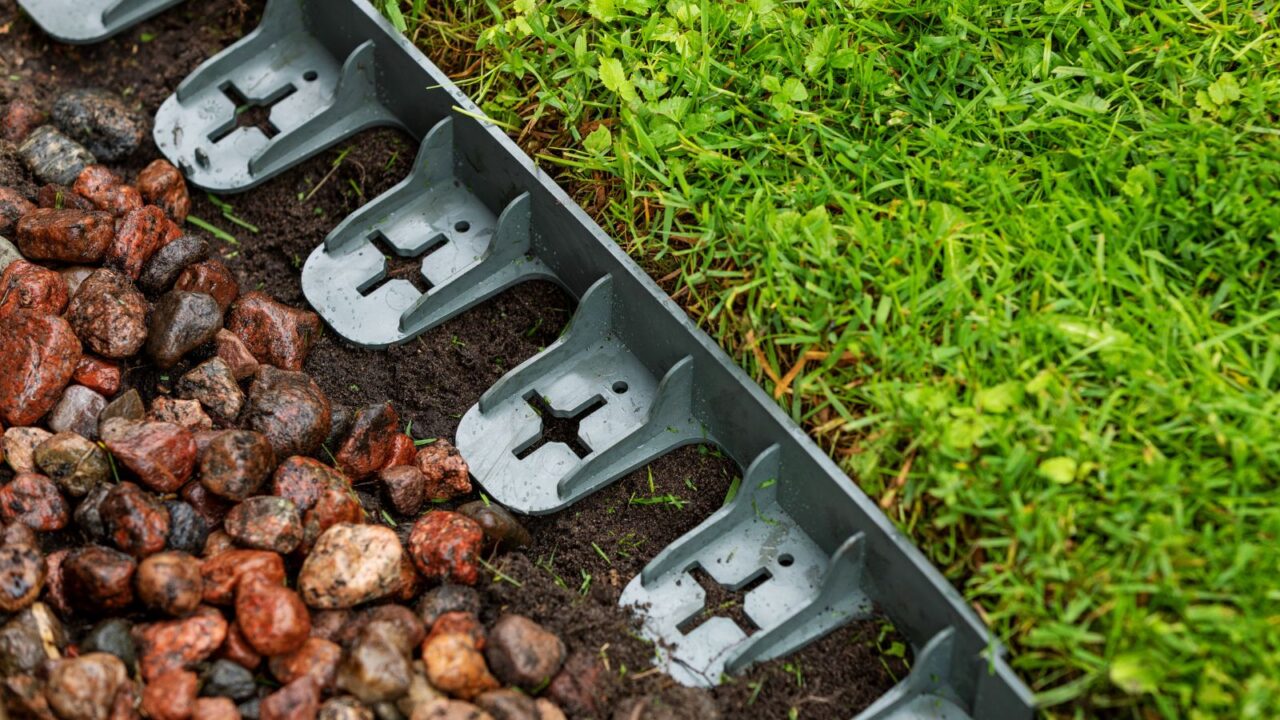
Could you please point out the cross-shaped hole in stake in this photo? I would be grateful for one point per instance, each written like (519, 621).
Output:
(723, 601)
(561, 427)
(401, 267)
(251, 113)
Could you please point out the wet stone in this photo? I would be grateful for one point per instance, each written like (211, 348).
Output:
(224, 678)
(446, 599)
(135, 520)
(100, 376)
(164, 267)
(446, 472)
(26, 286)
(370, 442)
(77, 412)
(178, 644)
(331, 508)
(12, 207)
(113, 636)
(499, 525)
(20, 118)
(250, 709)
(171, 696)
(211, 278)
(20, 445)
(397, 622)
(109, 315)
(73, 462)
(181, 322)
(138, 236)
(223, 571)
(375, 669)
(299, 700)
(67, 235)
(53, 157)
(34, 501)
(214, 708)
(107, 192)
(37, 359)
(238, 650)
(60, 197)
(101, 121)
(274, 619)
(55, 586)
(126, 407)
(350, 565)
(265, 522)
(579, 686)
(162, 455)
(410, 582)
(24, 697)
(445, 546)
(214, 385)
(99, 579)
(275, 333)
(88, 514)
(236, 464)
(170, 582)
(508, 704)
(523, 653)
(420, 692)
(340, 421)
(406, 487)
(161, 184)
(30, 638)
(18, 534)
(208, 506)
(83, 688)
(187, 414)
(449, 709)
(230, 349)
(304, 480)
(455, 664)
(317, 659)
(22, 575)
(188, 530)
(289, 408)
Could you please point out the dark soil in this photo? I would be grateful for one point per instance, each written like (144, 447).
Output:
(572, 574)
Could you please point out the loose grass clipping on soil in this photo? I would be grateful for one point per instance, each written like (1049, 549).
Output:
(1013, 264)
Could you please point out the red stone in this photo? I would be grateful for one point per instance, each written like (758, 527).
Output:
(98, 578)
(290, 409)
(447, 475)
(299, 700)
(212, 278)
(60, 197)
(55, 585)
(179, 644)
(275, 333)
(186, 414)
(238, 650)
(106, 191)
(161, 184)
(12, 207)
(137, 239)
(207, 505)
(265, 522)
(332, 507)
(109, 314)
(445, 546)
(317, 659)
(304, 480)
(25, 286)
(171, 696)
(370, 443)
(100, 376)
(221, 572)
(20, 118)
(231, 349)
(74, 236)
(215, 708)
(125, 706)
(403, 451)
(405, 486)
(136, 521)
(34, 501)
(161, 454)
(38, 356)
(410, 581)
(274, 619)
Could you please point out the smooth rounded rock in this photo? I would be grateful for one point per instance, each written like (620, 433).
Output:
(19, 447)
(275, 333)
(188, 529)
(162, 184)
(22, 575)
(371, 441)
(99, 579)
(84, 687)
(167, 263)
(170, 582)
(406, 488)
(223, 571)
(171, 696)
(224, 678)
(523, 653)
(375, 669)
(211, 278)
(68, 235)
(299, 700)
(29, 639)
(273, 617)
(109, 315)
(113, 636)
(34, 501)
(317, 659)
(290, 409)
(445, 546)
(499, 525)
(53, 157)
(139, 234)
(77, 412)
(350, 565)
(265, 522)
(181, 322)
(26, 286)
(73, 462)
(136, 522)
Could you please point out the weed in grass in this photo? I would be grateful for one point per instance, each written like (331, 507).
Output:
(1012, 263)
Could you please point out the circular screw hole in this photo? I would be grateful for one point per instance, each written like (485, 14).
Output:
(462, 226)
(785, 560)
(310, 75)
(620, 387)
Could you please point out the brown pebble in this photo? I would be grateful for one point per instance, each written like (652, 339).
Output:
(186, 414)
(98, 578)
(171, 696)
(289, 408)
(223, 571)
(101, 376)
(317, 658)
(213, 384)
(135, 520)
(73, 236)
(406, 487)
(34, 501)
(231, 349)
(170, 582)
(274, 333)
(265, 522)
(238, 650)
(455, 665)
(107, 191)
(109, 315)
(299, 700)
(446, 472)
(523, 653)
(20, 118)
(236, 464)
(138, 236)
(162, 184)
(84, 687)
(22, 576)
(214, 708)
(59, 197)
(371, 441)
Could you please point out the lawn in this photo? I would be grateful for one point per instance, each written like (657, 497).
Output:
(1014, 264)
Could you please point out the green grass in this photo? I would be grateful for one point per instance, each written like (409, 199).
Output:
(1014, 264)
